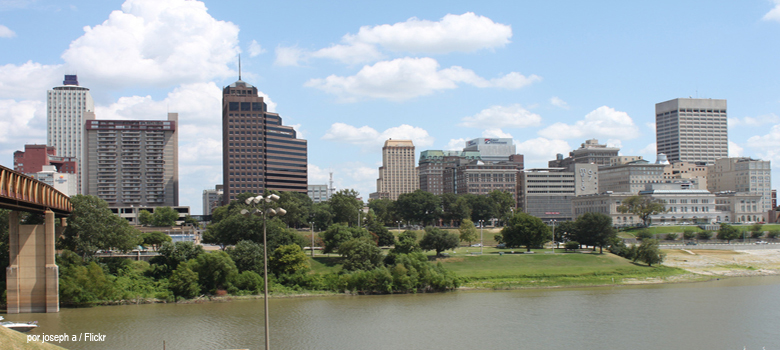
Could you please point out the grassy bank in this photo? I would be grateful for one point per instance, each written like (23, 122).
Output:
(13, 340)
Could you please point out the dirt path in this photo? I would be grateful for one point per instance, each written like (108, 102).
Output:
(725, 262)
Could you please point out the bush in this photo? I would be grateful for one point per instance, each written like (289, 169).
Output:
(773, 234)
(689, 234)
(184, 282)
(571, 245)
(247, 281)
(671, 236)
(705, 235)
(649, 253)
(756, 234)
(643, 234)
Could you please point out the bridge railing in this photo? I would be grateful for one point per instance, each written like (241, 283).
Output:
(19, 191)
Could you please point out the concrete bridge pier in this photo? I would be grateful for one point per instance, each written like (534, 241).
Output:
(32, 278)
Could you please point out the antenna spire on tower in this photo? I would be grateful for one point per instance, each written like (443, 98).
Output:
(239, 66)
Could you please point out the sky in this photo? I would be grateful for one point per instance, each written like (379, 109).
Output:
(347, 75)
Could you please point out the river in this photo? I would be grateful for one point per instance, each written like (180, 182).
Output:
(733, 313)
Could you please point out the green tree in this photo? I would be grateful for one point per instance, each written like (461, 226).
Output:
(234, 227)
(383, 236)
(322, 216)
(407, 243)
(164, 217)
(288, 259)
(643, 207)
(704, 235)
(184, 282)
(298, 206)
(213, 270)
(360, 254)
(525, 230)
(595, 229)
(565, 231)
(438, 240)
(672, 236)
(481, 207)
(173, 254)
(189, 220)
(503, 202)
(649, 252)
(728, 232)
(92, 226)
(689, 233)
(468, 233)
(155, 239)
(145, 217)
(337, 234)
(418, 206)
(644, 234)
(383, 209)
(247, 255)
(756, 230)
(345, 206)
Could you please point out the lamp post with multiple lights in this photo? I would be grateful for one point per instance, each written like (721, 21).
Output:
(262, 206)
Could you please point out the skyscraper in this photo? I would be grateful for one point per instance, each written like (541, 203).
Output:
(132, 162)
(398, 174)
(258, 152)
(66, 109)
(692, 130)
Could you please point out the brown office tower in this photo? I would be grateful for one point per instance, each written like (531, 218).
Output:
(258, 152)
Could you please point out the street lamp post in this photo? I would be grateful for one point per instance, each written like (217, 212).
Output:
(481, 241)
(261, 206)
(552, 244)
(311, 224)
(399, 226)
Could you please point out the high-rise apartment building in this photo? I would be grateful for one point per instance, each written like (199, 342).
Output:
(741, 174)
(258, 152)
(66, 107)
(692, 130)
(398, 174)
(132, 162)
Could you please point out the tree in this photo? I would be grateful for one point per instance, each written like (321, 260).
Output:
(595, 229)
(234, 227)
(438, 240)
(383, 209)
(468, 233)
(288, 259)
(337, 234)
(525, 230)
(689, 233)
(705, 235)
(565, 231)
(383, 236)
(184, 282)
(649, 253)
(419, 206)
(164, 217)
(189, 220)
(503, 202)
(213, 270)
(756, 230)
(345, 206)
(298, 206)
(173, 254)
(360, 254)
(92, 227)
(481, 207)
(406, 244)
(322, 215)
(728, 232)
(643, 207)
(247, 255)
(145, 217)
(155, 239)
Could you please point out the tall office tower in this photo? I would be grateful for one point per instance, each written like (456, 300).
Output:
(397, 175)
(258, 152)
(692, 130)
(67, 107)
(433, 163)
(492, 149)
(132, 162)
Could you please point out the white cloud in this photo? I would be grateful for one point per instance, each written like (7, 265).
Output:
(22, 122)
(602, 122)
(773, 14)
(29, 80)
(456, 144)
(453, 33)
(496, 133)
(770, 140)
(615, 143)
(350, 54)
(368, 136)
(159, 43)
(557, 102)
(537, 152)
(317, 175)
(6, 32)
(757, 121)
(514, 116)
(406, 78)
(289, 56)
(735, 150)
(650, 149)
(255, 49)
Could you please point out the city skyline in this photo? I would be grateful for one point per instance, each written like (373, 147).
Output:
(349, 76)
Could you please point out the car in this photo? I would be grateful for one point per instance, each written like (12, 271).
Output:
(477, 245)
(691, 243)
(762, 242)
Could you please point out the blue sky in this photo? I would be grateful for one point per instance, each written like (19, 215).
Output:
(348, 75)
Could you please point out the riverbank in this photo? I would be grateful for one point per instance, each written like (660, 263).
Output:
(725, 263)
(13, 340)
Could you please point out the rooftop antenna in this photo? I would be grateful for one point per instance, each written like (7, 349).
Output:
(239, 66)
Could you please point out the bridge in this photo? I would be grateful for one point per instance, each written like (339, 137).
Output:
(32, 276)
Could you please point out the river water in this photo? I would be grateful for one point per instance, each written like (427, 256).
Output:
(733, 313)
